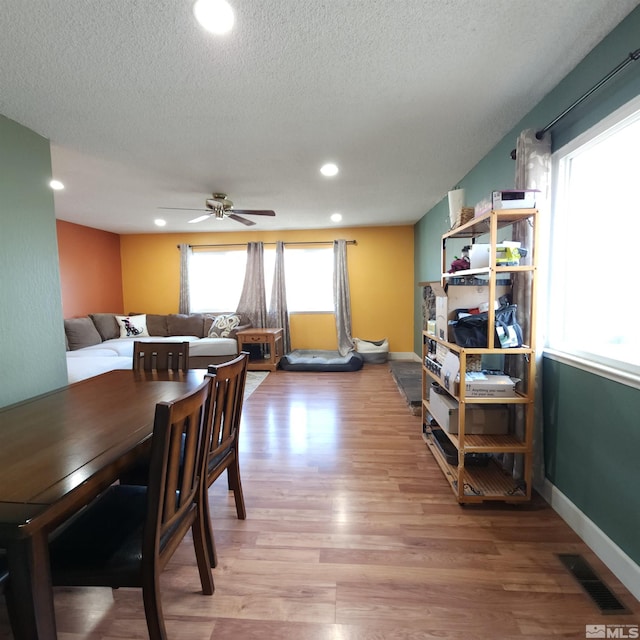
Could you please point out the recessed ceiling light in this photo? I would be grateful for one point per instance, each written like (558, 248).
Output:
(336, 217)
(56, 185)
(329, 169)
(159, 222)
(215, 16)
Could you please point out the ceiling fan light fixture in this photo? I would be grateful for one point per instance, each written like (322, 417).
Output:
(216, 16)
(329, 170)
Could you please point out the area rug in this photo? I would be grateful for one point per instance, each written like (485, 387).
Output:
(254, 380)
(408, 377)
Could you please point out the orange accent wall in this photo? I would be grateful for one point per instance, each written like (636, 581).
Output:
(90, 270)
(380, 276)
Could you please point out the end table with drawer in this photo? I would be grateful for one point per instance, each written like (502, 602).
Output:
(270, 337)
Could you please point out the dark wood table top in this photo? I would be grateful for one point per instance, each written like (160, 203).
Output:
(58, 448)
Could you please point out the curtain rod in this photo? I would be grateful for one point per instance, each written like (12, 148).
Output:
(244, 244)
(634, 55)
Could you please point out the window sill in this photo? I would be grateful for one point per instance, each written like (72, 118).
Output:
(599, 369)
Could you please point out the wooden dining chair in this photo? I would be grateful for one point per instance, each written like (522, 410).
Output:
(160, 356)
(4, 580)
(127, 535)
(224, 414)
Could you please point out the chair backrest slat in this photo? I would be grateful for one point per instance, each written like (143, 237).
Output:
(160, 356)
(178, 449)
(225, 405)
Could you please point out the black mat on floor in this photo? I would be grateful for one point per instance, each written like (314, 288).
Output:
(408, 377)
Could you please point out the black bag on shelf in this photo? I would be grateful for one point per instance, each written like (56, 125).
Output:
(471, 331)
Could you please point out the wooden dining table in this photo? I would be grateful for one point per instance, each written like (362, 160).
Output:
(58, 451)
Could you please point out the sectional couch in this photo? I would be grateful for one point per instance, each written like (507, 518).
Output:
(101, 342)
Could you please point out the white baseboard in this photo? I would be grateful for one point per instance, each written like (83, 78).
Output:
(619, 563)
(404, 355)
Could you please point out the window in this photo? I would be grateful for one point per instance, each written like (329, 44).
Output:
(594, 307)
(216, 278)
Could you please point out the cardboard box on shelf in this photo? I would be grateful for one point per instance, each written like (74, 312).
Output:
(476, 384)
(479, 419)
(459, 297)
(514, 199)
(507, 254)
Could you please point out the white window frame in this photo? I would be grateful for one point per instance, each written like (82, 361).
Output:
(626, 372)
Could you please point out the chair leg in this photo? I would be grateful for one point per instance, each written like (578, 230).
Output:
(153, 609)
(208, 531)
(200, 544)
(235, 484)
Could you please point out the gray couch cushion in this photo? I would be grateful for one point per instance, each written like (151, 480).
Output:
(106, 325)
(81, 332)
(179, 324)
(156, 324)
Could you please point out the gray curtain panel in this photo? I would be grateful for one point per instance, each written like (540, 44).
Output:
(342, 298)
(184, 304)
(533, 171)
(278, 313)
(253, 299)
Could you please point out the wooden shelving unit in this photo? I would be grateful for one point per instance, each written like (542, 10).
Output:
(478, 475)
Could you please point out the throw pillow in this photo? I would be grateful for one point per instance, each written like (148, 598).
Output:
(133, 326)
(180, 324)
(226, 326)
(81, 332)
(106, 325)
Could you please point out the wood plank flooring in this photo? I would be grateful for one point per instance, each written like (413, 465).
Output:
(352, 533)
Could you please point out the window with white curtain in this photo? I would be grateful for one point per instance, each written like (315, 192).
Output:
(216, 278)
(594, 304)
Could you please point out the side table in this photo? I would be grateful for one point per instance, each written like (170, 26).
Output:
(270, 337)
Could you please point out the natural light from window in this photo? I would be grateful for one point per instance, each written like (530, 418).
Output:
(594, 306)
(216, 278)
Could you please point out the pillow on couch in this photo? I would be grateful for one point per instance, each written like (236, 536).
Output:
(156, 323)
(226, 325)
(106, 324)
(182, 324)
(81, 332)
(133, 326)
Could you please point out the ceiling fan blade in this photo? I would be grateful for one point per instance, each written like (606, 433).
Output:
(183, 209)
(240, 219)
(206, 216)
(254, 212)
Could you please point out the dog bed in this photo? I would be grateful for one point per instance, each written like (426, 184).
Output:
(313, 360)
(373, 351)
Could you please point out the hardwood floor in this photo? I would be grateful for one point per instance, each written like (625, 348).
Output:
(352, 533)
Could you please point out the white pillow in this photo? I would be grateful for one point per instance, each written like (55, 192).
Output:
(133, 326)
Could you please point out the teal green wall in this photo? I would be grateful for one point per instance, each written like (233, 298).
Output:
(31, 329)
(592, 428)
(592, 447)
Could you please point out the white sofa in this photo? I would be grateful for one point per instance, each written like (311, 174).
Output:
(95, 346)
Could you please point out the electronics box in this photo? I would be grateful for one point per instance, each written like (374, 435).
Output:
(459, 297)
(514, 199)
(479, 419)
(476, 383)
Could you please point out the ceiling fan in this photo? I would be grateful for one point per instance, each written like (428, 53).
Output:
(221, 207)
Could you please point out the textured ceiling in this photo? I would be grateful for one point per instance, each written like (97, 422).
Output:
(144, 109)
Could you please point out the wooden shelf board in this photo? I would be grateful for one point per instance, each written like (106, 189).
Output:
(480, 225)
(481, 484)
